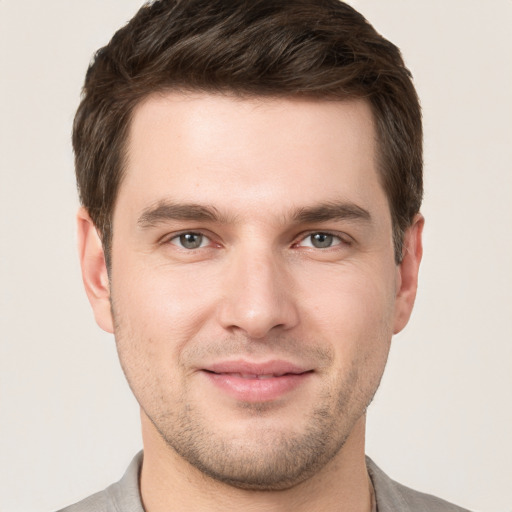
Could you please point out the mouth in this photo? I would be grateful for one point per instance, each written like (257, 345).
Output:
(254, 375)
(256, 382)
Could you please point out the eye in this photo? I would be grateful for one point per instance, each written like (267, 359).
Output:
(320, 241)
(190, 240)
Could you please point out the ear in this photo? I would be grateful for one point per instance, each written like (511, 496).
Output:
(94, 270)
(407, 273)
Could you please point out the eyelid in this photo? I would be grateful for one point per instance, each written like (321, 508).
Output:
(169, 237)
(204, 241)
(343, 238)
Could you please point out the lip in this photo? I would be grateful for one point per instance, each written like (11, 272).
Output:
(256, 382)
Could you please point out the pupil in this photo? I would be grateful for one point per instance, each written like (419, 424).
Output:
(322, 240)
(191, 240)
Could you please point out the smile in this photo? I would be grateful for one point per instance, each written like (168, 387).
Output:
(252, 382)
(255, 376)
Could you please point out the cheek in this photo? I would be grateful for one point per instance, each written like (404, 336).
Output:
(354, 311)
(162, 304)
(156, 312)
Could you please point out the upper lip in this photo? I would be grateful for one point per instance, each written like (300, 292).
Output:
(276, 368)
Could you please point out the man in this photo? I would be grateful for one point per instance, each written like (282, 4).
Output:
(251, 178)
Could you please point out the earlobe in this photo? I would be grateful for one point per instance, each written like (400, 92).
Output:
(94, 270)
(407, 279)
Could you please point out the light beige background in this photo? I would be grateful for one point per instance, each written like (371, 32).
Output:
(442, 421)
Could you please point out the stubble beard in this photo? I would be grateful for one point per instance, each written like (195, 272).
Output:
(266, 458)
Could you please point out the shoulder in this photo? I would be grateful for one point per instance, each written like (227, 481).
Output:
(99, 502)
(394, 497)
(123, 496)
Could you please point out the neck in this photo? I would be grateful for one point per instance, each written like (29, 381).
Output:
(168, 482)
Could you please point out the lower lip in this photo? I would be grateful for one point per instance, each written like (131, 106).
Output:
(257, 390)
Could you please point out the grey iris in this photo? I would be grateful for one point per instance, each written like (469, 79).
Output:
(321, 240)
(191, 240)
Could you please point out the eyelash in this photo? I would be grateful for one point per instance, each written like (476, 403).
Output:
(342, 240)
(178, 236)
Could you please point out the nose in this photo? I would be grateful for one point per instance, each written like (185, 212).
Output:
(258, 296)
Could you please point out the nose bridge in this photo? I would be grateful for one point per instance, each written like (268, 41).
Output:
(257, 296)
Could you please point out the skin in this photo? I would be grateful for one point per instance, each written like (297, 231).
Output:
(293, 263)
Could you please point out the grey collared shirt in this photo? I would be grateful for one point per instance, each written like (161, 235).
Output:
(390, 496)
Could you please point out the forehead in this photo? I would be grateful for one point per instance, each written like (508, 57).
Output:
(259, 152)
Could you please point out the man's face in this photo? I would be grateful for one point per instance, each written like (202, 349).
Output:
(253, 284)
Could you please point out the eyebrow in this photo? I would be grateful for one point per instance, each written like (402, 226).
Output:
(330, 211)
(165, 210)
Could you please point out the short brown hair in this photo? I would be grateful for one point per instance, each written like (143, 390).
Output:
(278, 48)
